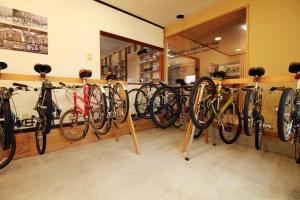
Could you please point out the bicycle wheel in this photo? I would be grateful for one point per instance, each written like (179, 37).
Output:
(40, 139)
(46, 110)
(248, 112)
(297, 148)
(142, 99)
(165, 107)
(258, 132)
(198, 133)
(73, 125)
(201, 115)
(285, 114)
(121, 103)
(7, 136)
(106, 128)
(132, 96)
(98, 107)
(230, 125)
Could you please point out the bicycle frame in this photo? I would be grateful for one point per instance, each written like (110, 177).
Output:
(85, 99)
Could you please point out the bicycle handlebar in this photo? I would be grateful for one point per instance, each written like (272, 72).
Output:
(20, 85)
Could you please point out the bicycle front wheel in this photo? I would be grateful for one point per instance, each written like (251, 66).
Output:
(73, 125)
(201, 115)
(285, 114)
(230, 125)
(258, 132)
(98, 107)
(40, 139)
(132, 97)
(248, 112)
(142, 99)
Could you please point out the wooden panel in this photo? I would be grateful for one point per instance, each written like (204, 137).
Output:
(26, 146)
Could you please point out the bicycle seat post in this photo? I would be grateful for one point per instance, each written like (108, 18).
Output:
(256, 81)
(84, 80)
(297, 76)
(220, 84)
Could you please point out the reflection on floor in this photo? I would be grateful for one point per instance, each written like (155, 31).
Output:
(110, 170)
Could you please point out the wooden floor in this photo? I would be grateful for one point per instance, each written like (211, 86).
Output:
(111, 170)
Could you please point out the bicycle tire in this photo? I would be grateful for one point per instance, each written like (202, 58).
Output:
(198, 133)
(146, 112)
(249, 98)
(8, 137)
(281, 114)
(258, 133)
(212, 90)
(64, 123)
(40, 139)
(125, 102)
(238, 130)
(106, 128)
(46, 115)
(99, 122)
(154, 113)
(134, 116)
(297, 148)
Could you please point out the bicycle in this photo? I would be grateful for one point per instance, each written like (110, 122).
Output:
(74, 123)
(142, 99)
(47, 109)
(288, 121)
(7, 135)
(168, 105)
(117, 105)
(207, 102)
(253, 117)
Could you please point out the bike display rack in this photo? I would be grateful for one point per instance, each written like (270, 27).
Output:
(63, 144)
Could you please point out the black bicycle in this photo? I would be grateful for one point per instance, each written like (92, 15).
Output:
(47, 109)
(7, 135)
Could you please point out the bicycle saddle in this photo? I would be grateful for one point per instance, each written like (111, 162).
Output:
(294, 67)
(110, 76)
(42, 69)
(181, 82)
(3, 65)
(256, 71)
(85, 73)
(220, 74)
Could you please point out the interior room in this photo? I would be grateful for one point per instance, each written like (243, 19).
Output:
(149, 99)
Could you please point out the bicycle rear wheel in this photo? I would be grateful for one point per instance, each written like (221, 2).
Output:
(231, 125)
(73, 125)
(201, 115)
(98, 109)
(121, 103)
(7, 136)
(297, 148)
(132, 96)
(46, 110)
(142, 99)
(165, 107)
(285, 112)
(40, 139)
(248, 113)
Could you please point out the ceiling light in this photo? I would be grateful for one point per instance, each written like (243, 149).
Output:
(244, 26)
(218, 38)
(180, 16)
(238, 50)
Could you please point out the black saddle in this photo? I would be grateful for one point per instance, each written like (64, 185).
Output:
(181, 82)
(110, 76)
(256, 71)
(42, 69)
(220, 74)
(3, 65)
(85, 73)
(294, 67)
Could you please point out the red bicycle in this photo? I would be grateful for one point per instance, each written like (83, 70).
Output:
(88, 109)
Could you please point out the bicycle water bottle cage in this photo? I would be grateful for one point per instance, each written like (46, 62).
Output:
(295, 68)
(256, 72)
(85, 73)
(3, 65)
(220, 75)
(42, 69)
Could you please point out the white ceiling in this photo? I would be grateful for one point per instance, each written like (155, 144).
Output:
(110, 45)
(162, 12)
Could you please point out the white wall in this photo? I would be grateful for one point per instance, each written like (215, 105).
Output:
(73, 33)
